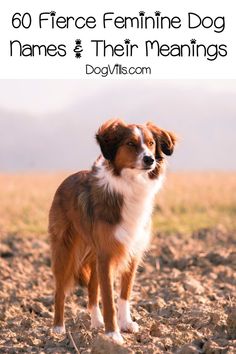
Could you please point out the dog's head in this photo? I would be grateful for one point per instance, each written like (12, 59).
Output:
(134, 146)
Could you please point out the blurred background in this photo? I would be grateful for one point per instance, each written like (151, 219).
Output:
(47, 131)
(50, 125)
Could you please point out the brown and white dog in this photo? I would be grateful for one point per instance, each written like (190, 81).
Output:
(99, 221)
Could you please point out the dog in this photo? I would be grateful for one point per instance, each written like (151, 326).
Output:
(100, 221)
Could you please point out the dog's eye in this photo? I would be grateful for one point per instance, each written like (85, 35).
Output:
(131, 143)
(151, 143)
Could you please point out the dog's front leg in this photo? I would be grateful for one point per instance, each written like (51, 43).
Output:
(105, 275)
(126, 323)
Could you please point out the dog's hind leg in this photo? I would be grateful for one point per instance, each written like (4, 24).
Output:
(58, 323)
(93, 294)
(64, 269)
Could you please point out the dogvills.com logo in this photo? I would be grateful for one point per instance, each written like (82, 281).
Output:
(117, 69)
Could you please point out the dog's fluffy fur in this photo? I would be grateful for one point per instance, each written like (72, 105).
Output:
(100, 220)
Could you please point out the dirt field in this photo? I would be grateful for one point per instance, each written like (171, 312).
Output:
(184, 297)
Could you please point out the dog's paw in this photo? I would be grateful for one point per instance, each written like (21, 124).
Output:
(129, 326)
(59, 329)
(116, 337)
(124, 317)
(97, 323)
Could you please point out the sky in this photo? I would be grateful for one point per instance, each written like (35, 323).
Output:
(50, 96)
(48, 125)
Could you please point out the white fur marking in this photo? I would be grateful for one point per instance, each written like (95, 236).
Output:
(145, 151)
(124, 318)
(138, 191)
(59, 329)
(116, 337)
(96, 317)
(137, 132)
(134, 230)
(124, 311)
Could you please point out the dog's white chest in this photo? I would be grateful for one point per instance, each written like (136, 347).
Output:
(138, 192)
(134, 230)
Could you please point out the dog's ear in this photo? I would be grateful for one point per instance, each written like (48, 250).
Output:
(109, 136)
(165, 139)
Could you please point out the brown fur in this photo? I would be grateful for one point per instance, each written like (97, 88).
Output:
(165, 140)
(81, 227)
(83, 217)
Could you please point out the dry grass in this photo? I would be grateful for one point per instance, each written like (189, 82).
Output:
(25, 202)
(188, 201)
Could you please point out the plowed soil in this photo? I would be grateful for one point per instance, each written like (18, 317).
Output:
(183, 298)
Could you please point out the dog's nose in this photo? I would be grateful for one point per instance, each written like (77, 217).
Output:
(148, 160)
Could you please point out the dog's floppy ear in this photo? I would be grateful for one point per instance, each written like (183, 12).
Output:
(109, 136)
(165, 138)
